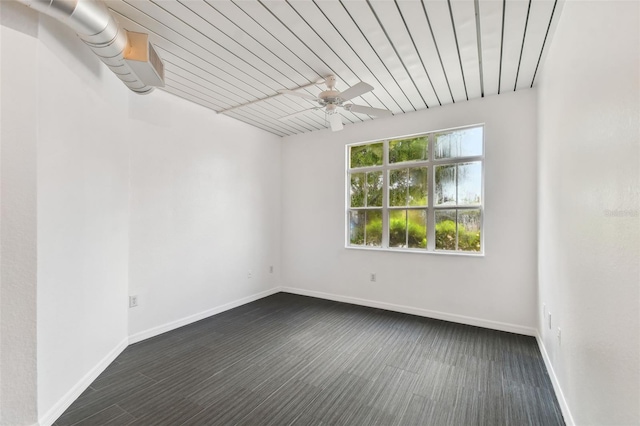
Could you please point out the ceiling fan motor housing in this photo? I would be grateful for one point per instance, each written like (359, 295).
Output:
(329, 97)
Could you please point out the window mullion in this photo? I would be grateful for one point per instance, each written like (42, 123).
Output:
(431, 219)
(385, 194)
(457, 230)
(455, 174)
(406, 210)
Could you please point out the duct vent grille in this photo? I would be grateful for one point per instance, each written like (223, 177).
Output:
(143, 60)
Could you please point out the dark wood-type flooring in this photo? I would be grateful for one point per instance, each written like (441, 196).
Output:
(289, 359)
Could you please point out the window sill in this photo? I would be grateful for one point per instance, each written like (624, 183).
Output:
(416, 251)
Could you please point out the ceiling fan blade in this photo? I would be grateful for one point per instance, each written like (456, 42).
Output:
(299, 94)
(356, 90)
(335, 121)
(360, 109)
(297, 113)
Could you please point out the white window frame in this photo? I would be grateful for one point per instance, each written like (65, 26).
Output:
(431, 209)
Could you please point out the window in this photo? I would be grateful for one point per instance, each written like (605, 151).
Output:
(418, 193)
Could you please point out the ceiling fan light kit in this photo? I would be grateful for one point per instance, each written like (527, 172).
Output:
(331, 99)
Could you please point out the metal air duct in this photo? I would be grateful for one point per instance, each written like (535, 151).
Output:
(93, 23)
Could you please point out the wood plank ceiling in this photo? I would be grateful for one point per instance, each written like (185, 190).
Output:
(233, 56)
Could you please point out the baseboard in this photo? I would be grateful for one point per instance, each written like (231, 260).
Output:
(564, 407)
(461, 319)
(155, 331)
(73, 394)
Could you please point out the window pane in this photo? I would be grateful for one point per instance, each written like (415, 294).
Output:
(445, 229)
(374, 189)
(459, 143)
(374, 228)
(356, 227)
(412, 149)
(417, 228)
(418, 186)
(398, 183)
(446, 184)
(357, 190)
(469, 183)
(469, 230)
(397, 228)
(365, 155)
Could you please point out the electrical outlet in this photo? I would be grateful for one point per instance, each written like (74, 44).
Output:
(559, 335)
(549, 320)
(250, 274)
(133, 301)
(271, 269)
(372, 277)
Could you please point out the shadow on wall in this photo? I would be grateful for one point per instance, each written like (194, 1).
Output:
(27, 21)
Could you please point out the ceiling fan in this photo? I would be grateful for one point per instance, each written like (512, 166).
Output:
(331, 99)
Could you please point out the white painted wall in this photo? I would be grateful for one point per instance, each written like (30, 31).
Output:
(497, 290)
(145, 195)
(589, 226)
(18, 230)
(205, 210)
(83, 210)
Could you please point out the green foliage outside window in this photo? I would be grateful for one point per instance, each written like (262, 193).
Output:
(365, 155)
(413, 230)
(408, 187)
(366, 189)
(468, 229)
(358, 190)
(412, 149)
(446, 235)
(468, 240)
(366, 228)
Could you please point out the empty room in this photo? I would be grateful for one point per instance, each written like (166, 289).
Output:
(319, 212)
